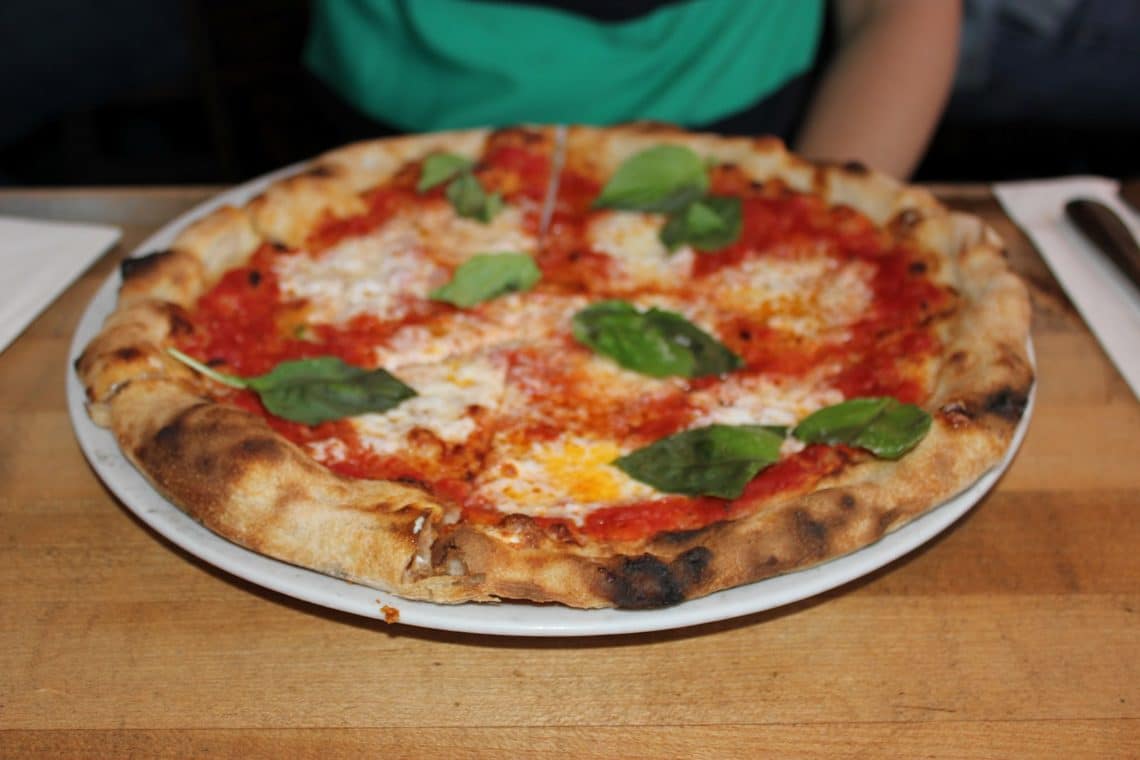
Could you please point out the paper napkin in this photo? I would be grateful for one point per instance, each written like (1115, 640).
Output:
(38, 260)
(1105, 298)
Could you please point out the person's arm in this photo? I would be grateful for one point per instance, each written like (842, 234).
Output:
(884, 91)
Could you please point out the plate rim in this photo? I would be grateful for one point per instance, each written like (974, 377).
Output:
(143, 500)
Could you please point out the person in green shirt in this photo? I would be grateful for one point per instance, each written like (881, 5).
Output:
(732, 66)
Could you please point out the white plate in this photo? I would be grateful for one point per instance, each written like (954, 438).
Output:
(500, 619)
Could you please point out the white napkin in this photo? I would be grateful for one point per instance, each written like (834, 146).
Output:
(38, 260)
(1109, 303)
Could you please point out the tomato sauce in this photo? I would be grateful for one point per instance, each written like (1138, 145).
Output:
(794, 474)
(245, 325)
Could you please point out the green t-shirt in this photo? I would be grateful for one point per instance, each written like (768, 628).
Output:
(441, 64)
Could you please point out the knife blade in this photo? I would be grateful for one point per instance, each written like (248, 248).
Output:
(1108, 233)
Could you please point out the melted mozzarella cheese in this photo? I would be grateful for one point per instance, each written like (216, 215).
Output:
(632, 240)
(404, 258)
(327, 450)
(758, 400)
(510, 320)
(566, 478)
(809, 296)
(766, 280)
(843, 297)
(365, 274)
(445, 394)
(592, 382)
(453, 239)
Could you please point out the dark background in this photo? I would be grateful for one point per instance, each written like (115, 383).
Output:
(209, 91)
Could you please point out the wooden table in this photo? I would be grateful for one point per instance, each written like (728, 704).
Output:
(1014, 634)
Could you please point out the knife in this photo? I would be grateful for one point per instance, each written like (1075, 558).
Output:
(1107, 231)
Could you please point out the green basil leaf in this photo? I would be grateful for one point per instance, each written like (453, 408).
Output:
(708, 224)
(487, 275)
(664, 178)
(311, 391)
(718, 460)
(884, 426)
(470, 200)
(656, 342)
(439, 168)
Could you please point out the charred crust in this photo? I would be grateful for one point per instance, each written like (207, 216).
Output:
(906, 220)
(690, 567)
(682, 536)
(856, 168)
(142, 266)
(847, 502)
(321, 171)
(176, 449)
(171, 436)
(267, 450)
(180, 323)
(646, 582)
(128, 353)
(1007, 403)
(811, 534)
(886, 519)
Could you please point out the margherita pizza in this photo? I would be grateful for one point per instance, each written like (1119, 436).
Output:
(595, 366)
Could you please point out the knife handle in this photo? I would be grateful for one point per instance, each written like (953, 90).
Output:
(1105, 229)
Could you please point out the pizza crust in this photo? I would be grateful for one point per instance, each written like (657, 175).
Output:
(230, 471)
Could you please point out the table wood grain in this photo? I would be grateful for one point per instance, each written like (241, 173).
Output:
(1014, 634)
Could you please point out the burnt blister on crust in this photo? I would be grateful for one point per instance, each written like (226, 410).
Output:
(1007, 403)
(141, 266)
(810, 533)
(647, 582)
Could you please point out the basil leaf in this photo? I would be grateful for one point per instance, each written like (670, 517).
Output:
(470, 200)
(708, 224)
(884, 426)
(664, 178)
(656, 342)
(487, 275)
(311, 391)
(439, 168)
(718, 460)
